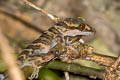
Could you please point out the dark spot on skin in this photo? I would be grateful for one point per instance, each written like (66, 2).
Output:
(33, 47)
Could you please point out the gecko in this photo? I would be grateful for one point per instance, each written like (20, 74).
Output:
(64, 31)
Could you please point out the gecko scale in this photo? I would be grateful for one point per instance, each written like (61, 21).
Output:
(63, 31)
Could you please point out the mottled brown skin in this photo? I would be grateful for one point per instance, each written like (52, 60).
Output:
(68, 55)
(85, 52)
(56, 42)
(100, 59)
(42, 49)
(54, 35)
(113, 71)
(64, 53)
(112, 74)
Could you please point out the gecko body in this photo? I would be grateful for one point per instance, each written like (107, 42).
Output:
(73, 28)
(63, 32)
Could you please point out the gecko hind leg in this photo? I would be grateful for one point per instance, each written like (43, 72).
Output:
(35, 72)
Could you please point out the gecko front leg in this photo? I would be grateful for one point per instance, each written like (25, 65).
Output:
(70, 41)
(35, 72)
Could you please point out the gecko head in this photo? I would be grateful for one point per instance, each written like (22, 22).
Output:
(77, 26)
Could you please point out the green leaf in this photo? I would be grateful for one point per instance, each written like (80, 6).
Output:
(47, 74)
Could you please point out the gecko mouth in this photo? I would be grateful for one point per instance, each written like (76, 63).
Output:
(77, 33)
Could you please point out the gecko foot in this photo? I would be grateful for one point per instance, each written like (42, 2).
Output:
(35, 73)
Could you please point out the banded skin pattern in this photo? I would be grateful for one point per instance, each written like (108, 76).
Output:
(72, 28)
(65, 32)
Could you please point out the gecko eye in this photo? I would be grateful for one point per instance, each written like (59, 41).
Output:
(81, 27)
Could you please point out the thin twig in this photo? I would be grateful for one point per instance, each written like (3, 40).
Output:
(54, 18)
